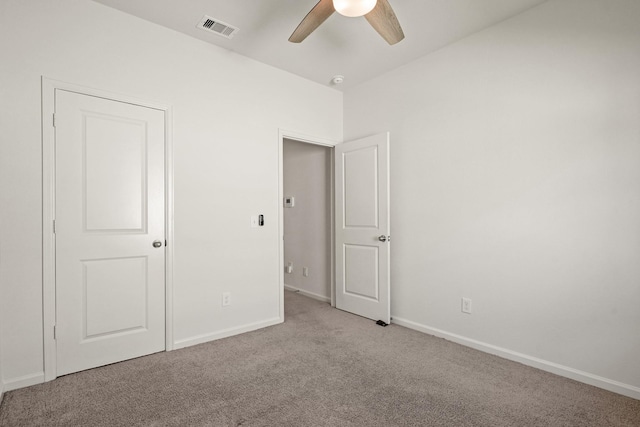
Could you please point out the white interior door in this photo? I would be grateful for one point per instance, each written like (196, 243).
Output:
(110, 286)
(362, 227)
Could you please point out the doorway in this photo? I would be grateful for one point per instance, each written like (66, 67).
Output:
(307, 218)
(360, 225)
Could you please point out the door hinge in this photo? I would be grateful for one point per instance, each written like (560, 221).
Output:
(54, 226)
(54, 119)
(165, 243)
(54, 332)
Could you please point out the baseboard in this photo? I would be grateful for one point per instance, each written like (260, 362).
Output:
(1, 390)
(554, 368)
(308, 294)
(200, 339)
(24, 381)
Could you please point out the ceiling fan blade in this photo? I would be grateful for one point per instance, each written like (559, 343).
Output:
(384, 21)
(317, 16)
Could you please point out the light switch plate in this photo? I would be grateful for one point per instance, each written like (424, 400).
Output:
(289, 201)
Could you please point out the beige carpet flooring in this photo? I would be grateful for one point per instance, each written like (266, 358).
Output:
(322, 367)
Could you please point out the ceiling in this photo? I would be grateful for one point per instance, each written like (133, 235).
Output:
(345, 46)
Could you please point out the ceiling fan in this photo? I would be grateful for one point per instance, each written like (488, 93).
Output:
(379, 14)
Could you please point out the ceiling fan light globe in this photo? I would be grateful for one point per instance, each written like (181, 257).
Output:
(354, 8)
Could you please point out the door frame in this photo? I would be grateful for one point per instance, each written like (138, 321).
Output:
(300, 137)
(49, 87)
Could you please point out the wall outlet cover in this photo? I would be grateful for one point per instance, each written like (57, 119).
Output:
(226, 299)
(466, 305)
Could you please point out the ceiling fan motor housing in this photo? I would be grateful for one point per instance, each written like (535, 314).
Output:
(354, 8)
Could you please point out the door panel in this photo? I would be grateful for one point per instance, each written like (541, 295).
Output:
(362, 279)
(361, 188)
(110, 288)
(362, 216)
(115, 197)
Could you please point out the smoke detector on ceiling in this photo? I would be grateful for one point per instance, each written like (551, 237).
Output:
(218, 27)
(337, 79)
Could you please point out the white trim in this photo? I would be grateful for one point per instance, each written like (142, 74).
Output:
(49, 87)
(301, 137)
(307, 293)
(297, 136)
(169, 227)
(200, 339)
(48, 238)
(332, 224)
(24, 381)
(544, 365)
(280, 224)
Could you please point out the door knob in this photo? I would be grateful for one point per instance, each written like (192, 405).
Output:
(157, 244)
(382, 238)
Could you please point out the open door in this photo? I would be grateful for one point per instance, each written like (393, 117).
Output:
(362, 227)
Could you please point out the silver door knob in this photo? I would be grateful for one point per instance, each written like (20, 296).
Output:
(157, 244)
(382, 238)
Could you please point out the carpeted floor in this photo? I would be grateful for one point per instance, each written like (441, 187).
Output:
(322, 367)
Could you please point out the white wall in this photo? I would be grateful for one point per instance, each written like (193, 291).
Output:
(515, 177)
(227, 112)
(307, 226)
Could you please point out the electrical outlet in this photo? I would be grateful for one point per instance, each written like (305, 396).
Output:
(226, 299)
(466, 305)
(305, 271)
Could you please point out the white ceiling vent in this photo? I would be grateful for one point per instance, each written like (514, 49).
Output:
(218, 27)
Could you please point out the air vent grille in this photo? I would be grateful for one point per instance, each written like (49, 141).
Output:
(218, 27)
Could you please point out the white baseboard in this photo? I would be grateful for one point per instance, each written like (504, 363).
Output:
(307, 293)
(199, 339)
(554, 368)
(24, 381)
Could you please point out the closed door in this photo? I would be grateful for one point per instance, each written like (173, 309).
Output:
(362, 227)
(109, 231)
